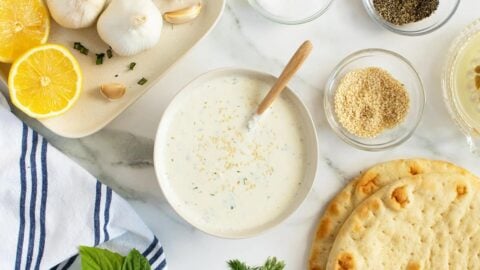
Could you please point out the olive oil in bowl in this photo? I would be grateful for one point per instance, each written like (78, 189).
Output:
(461, 83)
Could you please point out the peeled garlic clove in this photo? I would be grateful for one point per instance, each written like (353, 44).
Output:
(183, 15)
(75, 13)
(113, 91)
(130, 27)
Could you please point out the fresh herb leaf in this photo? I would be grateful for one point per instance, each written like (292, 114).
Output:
(100, 57)
(132, 66)
(271, 264)
(100, 259)
(237, 265)
(142, 81)
(135, 261)
(109, 52)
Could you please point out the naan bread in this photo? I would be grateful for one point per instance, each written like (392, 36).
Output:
(429, 221)
(356, 191)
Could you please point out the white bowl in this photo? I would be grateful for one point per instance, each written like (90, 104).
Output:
(172, 194)
(293, 19)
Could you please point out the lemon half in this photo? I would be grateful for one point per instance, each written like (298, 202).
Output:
(24, 24)
(45, 81)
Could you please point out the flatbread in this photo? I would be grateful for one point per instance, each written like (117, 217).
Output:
(428, 221)
(360, 188)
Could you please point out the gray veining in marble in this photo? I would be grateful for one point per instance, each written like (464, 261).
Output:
(121, 155)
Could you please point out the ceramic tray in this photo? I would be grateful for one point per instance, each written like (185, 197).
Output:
(92, 111)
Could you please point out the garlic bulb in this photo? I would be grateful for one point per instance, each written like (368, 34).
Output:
(130, 26)
(75, 13)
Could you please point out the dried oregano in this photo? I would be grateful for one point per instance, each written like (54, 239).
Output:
(401, 12)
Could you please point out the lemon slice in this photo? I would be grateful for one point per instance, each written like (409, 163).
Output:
(45, 81)
(24, 24)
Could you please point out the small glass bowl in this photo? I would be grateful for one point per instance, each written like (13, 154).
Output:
(290, 18)
(468, 126)
(446, 9)
(398, 67)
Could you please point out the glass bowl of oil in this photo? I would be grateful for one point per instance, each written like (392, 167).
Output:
(461, 83)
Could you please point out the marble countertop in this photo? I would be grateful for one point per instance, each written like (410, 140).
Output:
(121, 154)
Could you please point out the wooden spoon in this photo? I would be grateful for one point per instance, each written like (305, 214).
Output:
(292, 67)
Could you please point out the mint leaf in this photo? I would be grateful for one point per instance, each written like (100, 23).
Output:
(135, 261)
(100, 259)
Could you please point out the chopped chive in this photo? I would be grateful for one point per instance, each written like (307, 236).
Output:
(84, 50)
(100, 57)
(77, 45)
(109, 52)
(142, 81)
(132, 65)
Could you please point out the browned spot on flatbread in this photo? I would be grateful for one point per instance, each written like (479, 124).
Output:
(324, 228)
(415, 168)
(345, 262)
(400, 196)
(363, 211)
(477, 69)
(333, 208)
(358, 227)
(368, 183)
(413, 266)
(375, 205)
(461, 190)
(314, 264)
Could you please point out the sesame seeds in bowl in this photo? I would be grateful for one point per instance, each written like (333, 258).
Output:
(374, 99)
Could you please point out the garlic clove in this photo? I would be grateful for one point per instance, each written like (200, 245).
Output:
(113, 91)
(183, 15)
(130, 27)
(75, 14)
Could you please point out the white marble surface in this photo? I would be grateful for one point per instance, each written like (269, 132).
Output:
(121, 154)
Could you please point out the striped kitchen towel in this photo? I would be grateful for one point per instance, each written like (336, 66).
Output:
(49, 206)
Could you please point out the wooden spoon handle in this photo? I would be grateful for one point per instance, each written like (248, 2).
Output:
(295, 63)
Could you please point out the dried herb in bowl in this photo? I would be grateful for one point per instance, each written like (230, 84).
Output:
(400, 12)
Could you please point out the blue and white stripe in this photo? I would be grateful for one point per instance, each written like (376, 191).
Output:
(43, 204)
(101, 213)
(23, 188)
(33, 199)
(50, 206)
(155, 255)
